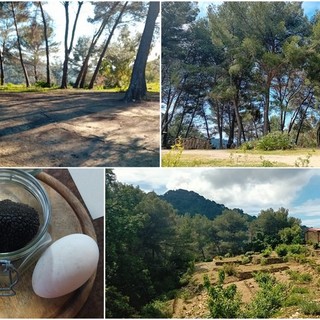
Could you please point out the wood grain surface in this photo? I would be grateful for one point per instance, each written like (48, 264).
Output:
(68, 216)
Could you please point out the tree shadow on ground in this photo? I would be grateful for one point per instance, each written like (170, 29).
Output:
(74, 130)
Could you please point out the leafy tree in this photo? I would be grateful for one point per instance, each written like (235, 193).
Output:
(118, 61)
(291, 235)
(232, 231)
(269, 224)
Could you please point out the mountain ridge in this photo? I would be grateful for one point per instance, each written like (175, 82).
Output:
(191, 202)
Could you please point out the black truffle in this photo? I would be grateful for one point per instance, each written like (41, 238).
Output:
(19, 223)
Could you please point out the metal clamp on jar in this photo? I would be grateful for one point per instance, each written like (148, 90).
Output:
(22, 187)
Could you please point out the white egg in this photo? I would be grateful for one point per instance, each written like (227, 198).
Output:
(65, 266)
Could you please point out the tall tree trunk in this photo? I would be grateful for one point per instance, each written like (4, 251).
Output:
(1, 70)
(81, 78)
(180, 125)
(318, 135)
(266, 125)
(303, 117)
(138, 87)
(206, 122)
(67, 50)
(220, 124)
(93, 79)
(19, 46)
(167, 119)
(64, 81)
(231, 133)
(45, 33)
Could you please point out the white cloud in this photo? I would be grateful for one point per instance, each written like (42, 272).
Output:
(249, 189)
(310, 208)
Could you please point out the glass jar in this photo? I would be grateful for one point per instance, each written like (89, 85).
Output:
(22, 187)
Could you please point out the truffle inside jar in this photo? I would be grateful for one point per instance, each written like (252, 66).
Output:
(19, 223)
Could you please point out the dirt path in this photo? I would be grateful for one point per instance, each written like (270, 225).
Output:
(235, 158)
(77, 128)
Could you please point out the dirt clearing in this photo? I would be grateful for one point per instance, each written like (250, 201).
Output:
(77, 128)
(234, 158)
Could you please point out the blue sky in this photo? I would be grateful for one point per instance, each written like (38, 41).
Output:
(309, 7)
(253, 190)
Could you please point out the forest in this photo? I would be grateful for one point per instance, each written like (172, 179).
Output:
(152, 248)
(112, 57)
(239, 72)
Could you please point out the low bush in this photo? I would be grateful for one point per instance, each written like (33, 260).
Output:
(267, 252)
(294, 250)
(156, 309)
(274, 141)
(249, 145)
(281, 250)
(269, 298)
(297, 249)
(246, 259)
(230, 269)
(42, 84)
(311, 308)
(299, 277)
(300, 290)
(172, 158)
(223, 302)
(294, 299)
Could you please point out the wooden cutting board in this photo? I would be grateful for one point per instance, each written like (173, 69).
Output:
(68, 216)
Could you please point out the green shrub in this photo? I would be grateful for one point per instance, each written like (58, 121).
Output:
(264, 261)
(281, 250)
(42, 84)
(301, 258)
(230, 269)
(297, 249)
(185, 278)
(156, 309)
(223, 302)
(246, 259)
(294, 300)
(299, 277)
(274, 141)
(118, 305)
(300, 290)
(267, 252)
(305, 277)
(310, 308)
(249, 145)
(268, 299)
(172, 158)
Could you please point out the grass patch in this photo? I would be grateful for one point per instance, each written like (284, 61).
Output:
(310, 308)
(288, 152)
(233, 161)
(299, 277)
(153, 87)
(240, 158)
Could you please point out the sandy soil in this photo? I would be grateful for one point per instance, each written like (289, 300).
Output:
(239, 159)
(77, 128)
